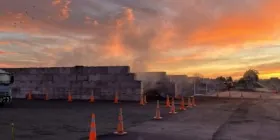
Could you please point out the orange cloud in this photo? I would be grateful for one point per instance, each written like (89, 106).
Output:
(5, 52)
(129, 14)
(65, 11)
(238, 28)
(90, 21)
(56, 2)
(4, 42)
(3, 65)
(176, 59)
(2, 52)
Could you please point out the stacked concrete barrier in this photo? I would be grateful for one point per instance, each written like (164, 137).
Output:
(79, 80)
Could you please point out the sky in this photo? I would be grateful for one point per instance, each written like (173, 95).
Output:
(209, 37)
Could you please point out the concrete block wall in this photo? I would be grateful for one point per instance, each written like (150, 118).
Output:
(79, 81)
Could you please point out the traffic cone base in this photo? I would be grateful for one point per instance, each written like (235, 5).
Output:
(182, 109)
(120, 133)
(173, 112)
(157, 118)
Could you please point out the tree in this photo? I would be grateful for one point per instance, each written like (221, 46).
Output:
(221, 79)
(229, 79)
(220, 83)
(227, 82)
(251, 77)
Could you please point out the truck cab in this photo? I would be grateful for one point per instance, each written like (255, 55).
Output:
(6, 80)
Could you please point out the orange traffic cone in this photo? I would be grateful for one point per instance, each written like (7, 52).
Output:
(46, 96)
(193, 101)
(120, 127)
(158, 117)
(189, 102)
(182, 105)
(92, 133)
(116, 99)
(91, 100)
(142, 100)
(172, 108)
(69, 97)
(29, 96)
(145, 99)
(167, 101)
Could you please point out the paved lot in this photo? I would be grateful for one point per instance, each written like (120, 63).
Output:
(233, 120)
(59, 120)
(215, 119)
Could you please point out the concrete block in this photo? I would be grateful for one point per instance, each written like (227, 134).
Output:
(47, 77)
(76, 84)
(118, 70)
(82, 78)
(76, 70)
(134, 84)
(102, 70)
(94, 77)
(71, 77)
(126, 77)
(62, 84)
(60, 78)
(64, 70)
(88, 84)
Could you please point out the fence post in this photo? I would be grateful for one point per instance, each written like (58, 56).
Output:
(13, 131)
